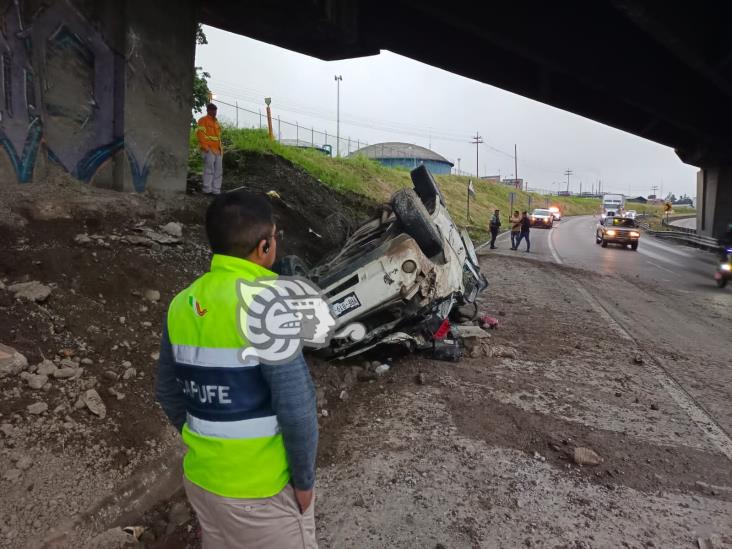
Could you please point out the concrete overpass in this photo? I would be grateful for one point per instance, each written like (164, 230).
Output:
(659, 70)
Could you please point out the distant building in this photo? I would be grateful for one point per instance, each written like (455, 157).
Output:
(638, 200)
(405, 155)
(491, 178)
(516, 183)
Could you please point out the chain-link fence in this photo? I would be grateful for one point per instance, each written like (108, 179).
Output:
(291, 133)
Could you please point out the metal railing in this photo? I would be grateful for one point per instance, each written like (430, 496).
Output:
(682, 234)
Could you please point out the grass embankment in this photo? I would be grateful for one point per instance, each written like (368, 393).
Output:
(371, 179)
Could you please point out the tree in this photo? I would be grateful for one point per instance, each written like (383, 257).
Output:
(200, 91)
(200, 80)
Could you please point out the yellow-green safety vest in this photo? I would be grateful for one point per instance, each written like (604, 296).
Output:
(235, 448)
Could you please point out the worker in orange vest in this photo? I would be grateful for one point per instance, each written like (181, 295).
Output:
(209, 140)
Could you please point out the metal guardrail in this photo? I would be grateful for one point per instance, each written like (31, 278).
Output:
(683, 234)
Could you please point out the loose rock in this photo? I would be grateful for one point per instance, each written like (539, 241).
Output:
(36, 381)
(344, 395)
(638, 358)
(64, 373)
(95, 403)
(381, 369)
(13, 475)
(173, 229)
(37, 408)
(11, 361)
(129, 373)
(151, 295)
(32, 291)
(421, 378)
(46, 368)
(24, 463)
(82, 239)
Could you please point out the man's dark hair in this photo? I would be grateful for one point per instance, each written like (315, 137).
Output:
(236, 221)
(524, 212)
(211, 106)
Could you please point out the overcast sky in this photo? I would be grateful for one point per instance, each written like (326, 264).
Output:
(393, 98)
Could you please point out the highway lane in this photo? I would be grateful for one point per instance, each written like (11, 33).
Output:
(664, 299)
(572, 242)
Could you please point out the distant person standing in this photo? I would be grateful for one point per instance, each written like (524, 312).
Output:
(515, 229)
(209, 141)
(525, 227)
(494, 225)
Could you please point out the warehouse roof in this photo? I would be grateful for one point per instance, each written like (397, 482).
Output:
(400, 150)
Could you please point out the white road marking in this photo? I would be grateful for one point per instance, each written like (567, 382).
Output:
(655, 366)
(656, 256)
(664, 268)
(652, 242)
(552, 249)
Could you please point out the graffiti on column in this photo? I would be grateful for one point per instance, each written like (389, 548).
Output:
(58, 89)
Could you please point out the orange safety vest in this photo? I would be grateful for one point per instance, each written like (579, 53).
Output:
(209, 134)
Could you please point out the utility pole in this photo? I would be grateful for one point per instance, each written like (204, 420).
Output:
(654, 188)
(458, 166)
(338, 80)
(515, 167)
(568, 173)
(477, 140)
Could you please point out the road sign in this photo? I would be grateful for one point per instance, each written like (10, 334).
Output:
(667, 207)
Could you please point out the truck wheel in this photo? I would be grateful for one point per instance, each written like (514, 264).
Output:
(603, 243)
(634, 246)
(598, 238)
(291, 265)
(416, 222)
(722, 282)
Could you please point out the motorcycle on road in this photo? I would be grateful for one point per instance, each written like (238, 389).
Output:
(724, 273)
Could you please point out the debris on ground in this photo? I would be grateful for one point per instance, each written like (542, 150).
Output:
(11, 361)
(489, 322)
(31, 291)
(586, 456)
(381, 369)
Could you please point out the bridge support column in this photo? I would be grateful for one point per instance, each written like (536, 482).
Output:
(96, 91)
(714, 200)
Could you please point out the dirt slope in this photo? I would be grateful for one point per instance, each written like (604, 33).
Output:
(111, 271)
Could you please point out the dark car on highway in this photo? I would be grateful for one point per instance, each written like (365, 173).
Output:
(617, 230)
(542, 218)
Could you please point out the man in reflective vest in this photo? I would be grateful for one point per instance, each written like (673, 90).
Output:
(251, 428)
(208, 134)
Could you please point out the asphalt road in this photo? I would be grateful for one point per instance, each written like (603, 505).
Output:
(572, 242)
(663, 298)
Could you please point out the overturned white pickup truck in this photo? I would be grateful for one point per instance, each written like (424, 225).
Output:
(400, 274)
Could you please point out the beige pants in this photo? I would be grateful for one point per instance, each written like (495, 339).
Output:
(232, 523)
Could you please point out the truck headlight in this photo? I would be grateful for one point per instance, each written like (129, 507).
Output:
(634, 233)
(611, 233)
(725, 267)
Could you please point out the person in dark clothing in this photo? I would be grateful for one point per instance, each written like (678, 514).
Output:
(525, 227)
(494, 225)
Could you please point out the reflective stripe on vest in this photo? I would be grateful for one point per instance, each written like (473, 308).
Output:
(235, 448)
(245, 428)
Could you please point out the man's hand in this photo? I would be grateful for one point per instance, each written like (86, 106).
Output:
(304, 498)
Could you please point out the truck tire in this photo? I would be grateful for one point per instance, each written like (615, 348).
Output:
(426, 187)
(291, 265)
(415, 221)
(634, 246)
(603, 243)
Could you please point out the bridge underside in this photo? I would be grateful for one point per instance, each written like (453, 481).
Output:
(100, 90)
(660, 70)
